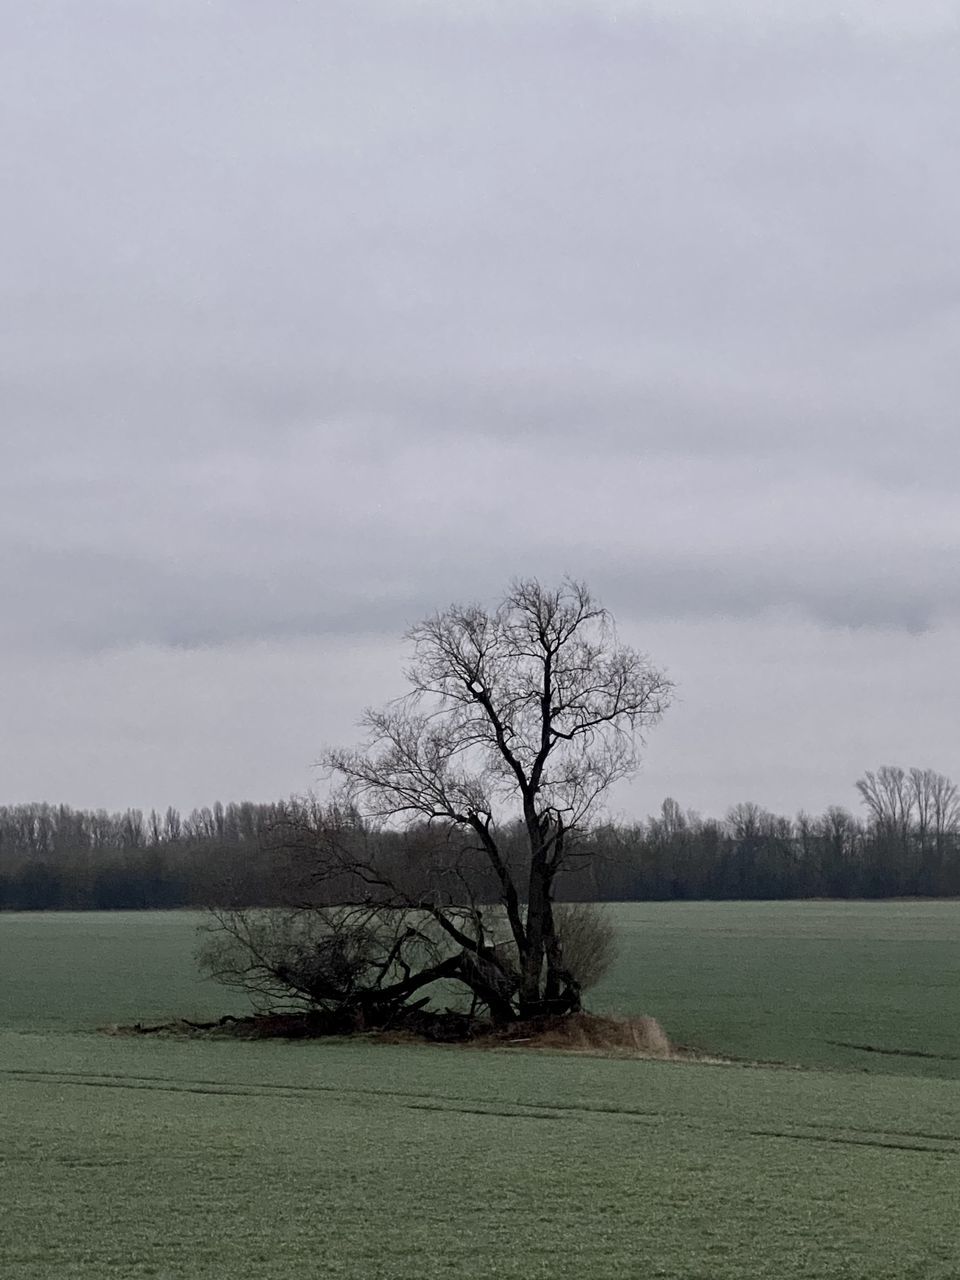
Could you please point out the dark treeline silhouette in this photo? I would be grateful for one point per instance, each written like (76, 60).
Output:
(906, 844)
(53, 857)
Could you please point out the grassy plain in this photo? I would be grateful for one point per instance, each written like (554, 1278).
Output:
(123, 1158)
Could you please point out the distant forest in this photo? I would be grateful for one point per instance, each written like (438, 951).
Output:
(906, 843)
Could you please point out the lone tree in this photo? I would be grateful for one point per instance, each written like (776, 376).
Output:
(494, 764)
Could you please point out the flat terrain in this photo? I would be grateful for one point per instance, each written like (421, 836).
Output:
(168, 1158)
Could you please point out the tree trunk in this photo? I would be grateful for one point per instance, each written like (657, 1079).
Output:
(538, 904)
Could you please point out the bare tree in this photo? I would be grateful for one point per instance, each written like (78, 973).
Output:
(915, 814)
(944, 808)
(838, 836)
(529, 712)
(936, 809)
(447, 829)
(889, 797)
(589, 941)
(358, 966)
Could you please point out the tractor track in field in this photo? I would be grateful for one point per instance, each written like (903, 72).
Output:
(232, 1088)
(895, 1053)
(854, 1142)
(902, 1140)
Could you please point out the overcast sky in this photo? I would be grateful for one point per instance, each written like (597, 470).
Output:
(319, 316)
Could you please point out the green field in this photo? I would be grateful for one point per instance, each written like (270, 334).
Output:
(165, 1158)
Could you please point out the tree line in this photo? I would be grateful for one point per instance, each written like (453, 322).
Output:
(905, 842)
(54, 857)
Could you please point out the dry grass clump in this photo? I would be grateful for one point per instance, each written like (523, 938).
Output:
(590, 1033)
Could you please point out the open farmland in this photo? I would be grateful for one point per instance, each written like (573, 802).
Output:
(171, 1158)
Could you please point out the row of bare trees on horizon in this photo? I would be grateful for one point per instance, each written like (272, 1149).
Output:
(908, 842)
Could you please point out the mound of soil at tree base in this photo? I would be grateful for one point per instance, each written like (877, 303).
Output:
(574, 1033)
(586, 1033)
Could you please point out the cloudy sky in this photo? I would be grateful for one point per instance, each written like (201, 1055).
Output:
(319, 316)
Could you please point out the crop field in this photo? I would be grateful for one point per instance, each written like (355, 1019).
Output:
(123, 1157)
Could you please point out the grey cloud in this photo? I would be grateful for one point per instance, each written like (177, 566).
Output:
(87, 603)
(83, 602)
